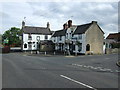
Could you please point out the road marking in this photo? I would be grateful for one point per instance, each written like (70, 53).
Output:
(96, 68)
(102, 69)
(78, 82)
(117, 71)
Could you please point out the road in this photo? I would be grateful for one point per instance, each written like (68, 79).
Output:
(94, 72)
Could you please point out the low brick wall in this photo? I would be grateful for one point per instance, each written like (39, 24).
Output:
(47, 48)
(6, 49)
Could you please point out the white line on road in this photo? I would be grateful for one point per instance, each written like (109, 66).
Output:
(96, 68)
(78, 82)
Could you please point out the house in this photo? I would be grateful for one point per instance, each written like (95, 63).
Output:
(32, 36)
(87, 38)
(112, 42)
(113, 37)
(59, 38)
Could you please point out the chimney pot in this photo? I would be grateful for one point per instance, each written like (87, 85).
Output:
(65, 26)
(23, 23)
(48, 25)
(94, 22)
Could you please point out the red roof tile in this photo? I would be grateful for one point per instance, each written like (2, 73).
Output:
(113, 36)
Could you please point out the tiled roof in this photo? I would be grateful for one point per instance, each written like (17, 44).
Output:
(59, 33)
(114, 36)
(36, 30)
(82, 28)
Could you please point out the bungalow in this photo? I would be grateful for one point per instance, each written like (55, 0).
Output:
(86, 38)
(32, 36)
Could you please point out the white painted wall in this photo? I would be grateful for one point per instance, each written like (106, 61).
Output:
(68, 34)
(34, 39)
(82, 40)
(57, 39)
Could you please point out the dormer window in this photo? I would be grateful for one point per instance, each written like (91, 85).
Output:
(29, 37)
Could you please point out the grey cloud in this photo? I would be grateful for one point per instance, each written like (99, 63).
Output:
(80, 12)
(104, 13)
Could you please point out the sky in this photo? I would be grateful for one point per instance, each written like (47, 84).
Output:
(57, 13)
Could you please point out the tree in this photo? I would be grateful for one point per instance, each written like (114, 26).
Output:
(12, 36)
(0, 38)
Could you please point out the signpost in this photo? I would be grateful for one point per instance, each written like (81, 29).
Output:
(38, 45)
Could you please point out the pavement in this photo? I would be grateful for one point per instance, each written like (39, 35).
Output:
(94, 72)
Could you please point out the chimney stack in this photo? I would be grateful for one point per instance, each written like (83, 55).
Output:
(48, 25)
(23, 23)
(94, 22)
(65, 26)
(69, 23)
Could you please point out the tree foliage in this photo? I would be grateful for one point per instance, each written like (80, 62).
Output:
(0, 38)
(12, 35)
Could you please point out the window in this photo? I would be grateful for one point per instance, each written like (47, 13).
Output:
(34, 46)
(87, 47)
(67, 35)
(80, 47)
(103, 43)
(29, 45)
(38, 38)
(33, 42)
(80, 36)
(29, 42)
(60, 38)
(72, 35)
(25, 45)
(71, 31)
(73, 47)
(106, 45)
(46, 36)
(29, 37)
